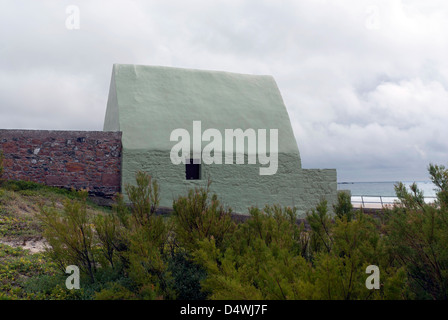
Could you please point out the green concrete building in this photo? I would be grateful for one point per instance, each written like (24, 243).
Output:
(149, 103)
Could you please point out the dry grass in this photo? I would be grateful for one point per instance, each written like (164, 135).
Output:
(19, 209)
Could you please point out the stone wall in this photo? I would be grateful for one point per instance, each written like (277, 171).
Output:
(70, 159)
(97, 161)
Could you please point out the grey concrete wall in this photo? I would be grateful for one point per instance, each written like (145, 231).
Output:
(238, 186)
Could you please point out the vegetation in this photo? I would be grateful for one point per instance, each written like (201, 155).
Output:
(418, 237)
(1, 165)
(200, 252)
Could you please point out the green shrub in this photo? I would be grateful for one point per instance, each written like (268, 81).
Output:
(199, 216)
(418, 236)
(13, 185)
(321, 229)
(49, 287)
(147, 256)
(115, 292)
(144, 198)
(71, 235)
(356, 244)
(187, 276)
(200, 253)
(262, 260)
(344, 207)
(439, 177)
(147, 236)
(270, 257)
(30, 188)
(122, 242)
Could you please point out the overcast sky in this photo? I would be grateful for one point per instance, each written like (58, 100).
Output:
(365, 83)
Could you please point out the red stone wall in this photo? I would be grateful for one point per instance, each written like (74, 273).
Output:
(79, 159)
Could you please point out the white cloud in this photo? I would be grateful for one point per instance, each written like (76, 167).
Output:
(369, 101)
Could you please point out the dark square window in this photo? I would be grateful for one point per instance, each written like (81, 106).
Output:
(192, 170)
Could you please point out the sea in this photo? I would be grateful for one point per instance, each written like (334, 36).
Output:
(385, 189)
(377, 192)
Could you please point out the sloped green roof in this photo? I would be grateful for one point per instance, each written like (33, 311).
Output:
(147, 103)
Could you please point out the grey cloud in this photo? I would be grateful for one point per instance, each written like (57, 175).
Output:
(369, 102)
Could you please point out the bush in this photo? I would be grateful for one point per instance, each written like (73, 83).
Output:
(115, 292)
(418, 235)
(201, 253)
(71, 235)
(187, 277)
(21, 185)
(321, 226)
(262, 260)
(121, 242)
(272, 257)
(199, 216)
(344, 207)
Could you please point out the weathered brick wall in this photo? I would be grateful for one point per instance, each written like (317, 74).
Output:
(79, 159)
